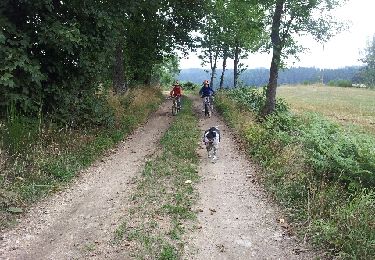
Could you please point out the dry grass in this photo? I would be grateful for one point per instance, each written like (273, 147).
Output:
(132, 101)
(51, 157)
(160, 211)
(344, 105)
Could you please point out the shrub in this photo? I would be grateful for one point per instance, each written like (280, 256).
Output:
(338, 154)
(85, 109)
(36, 158)
(190, 86)
(19, 134)
(306, 82)
(340, 83)
(322, 173)
(255, 98)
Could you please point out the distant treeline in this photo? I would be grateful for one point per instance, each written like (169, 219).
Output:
(259, 77)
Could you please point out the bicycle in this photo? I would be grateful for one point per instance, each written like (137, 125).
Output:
(207, 106)
(176, 105)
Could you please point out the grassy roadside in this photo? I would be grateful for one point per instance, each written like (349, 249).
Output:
(161, 203)
(37, 160)
(321, 173)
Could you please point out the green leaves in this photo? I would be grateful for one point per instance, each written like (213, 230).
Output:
(2, 38)
(367, 74)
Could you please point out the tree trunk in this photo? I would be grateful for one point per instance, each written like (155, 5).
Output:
(235, 65)
(213, 67)
(270, 104)
(225, 57)
(119, 84)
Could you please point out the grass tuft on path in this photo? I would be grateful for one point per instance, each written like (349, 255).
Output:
(161, 203)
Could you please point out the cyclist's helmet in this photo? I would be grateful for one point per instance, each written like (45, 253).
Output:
(205, 82)
(176, 83)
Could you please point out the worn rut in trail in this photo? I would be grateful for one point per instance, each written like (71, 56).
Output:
(237, 221)
(79, 222)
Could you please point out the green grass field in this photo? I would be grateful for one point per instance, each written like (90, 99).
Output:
(344, 105)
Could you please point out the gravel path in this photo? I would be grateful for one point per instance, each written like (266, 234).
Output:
(236, 219)
(79, 223)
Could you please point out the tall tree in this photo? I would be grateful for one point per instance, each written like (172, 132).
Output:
(232, 29)
(55, 52)
(52, 51)
(209, 41)
(226, 55)
(290, 18)
(367, 73)
(166, 72)
(244, 19)
(155, 29)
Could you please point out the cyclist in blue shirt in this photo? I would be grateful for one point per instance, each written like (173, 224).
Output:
(204, 92)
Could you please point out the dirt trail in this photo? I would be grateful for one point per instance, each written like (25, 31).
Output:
(237, 221)
(79, 222)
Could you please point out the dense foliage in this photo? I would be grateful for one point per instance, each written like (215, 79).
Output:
(339, 154)
(56, 53)
(231, 29)
(322, 173)
(367, 73)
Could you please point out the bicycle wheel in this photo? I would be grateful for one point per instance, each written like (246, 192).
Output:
(206, 110)
(178, 105)
(174, 110)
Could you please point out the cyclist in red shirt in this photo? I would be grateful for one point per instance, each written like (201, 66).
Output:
(176, 92)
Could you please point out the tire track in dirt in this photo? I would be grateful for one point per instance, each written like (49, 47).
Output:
(79, 222)
(236, 220)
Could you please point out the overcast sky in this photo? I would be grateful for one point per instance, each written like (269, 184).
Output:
(342, 50)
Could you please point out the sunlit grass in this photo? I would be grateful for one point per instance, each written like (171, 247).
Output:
(344, 105)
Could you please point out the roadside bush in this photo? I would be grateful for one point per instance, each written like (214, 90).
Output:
(19, 134)
(340, 83)
(255, 98)
(85, 109)
(306, 82)
(37, 158)
(341, 155)
(190, 86)
(321, 173)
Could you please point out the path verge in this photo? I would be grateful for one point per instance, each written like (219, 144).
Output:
(79, 222)
(236, 219)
